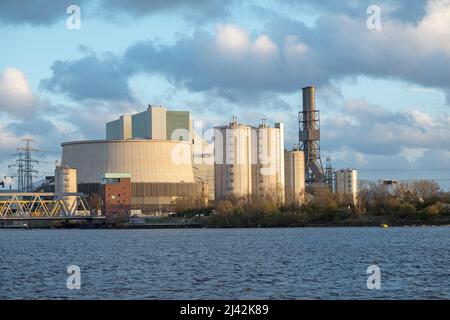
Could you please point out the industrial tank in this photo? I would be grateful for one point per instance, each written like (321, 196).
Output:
(268, 169)
(233, 160)
(294, 164)
(66, 182)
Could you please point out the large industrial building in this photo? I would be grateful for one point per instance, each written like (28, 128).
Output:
(249, 161)
(167, 159)
(161, 169)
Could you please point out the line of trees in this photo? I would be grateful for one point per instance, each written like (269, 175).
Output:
(412, 202)
(405, 199)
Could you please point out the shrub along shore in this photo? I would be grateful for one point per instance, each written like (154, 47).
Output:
(414, 203)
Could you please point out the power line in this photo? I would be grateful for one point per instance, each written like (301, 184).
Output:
(25, 166)
(25, 170)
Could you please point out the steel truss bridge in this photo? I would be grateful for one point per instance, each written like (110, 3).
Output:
(44, 206)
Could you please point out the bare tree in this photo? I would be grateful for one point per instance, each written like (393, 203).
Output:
(426, 190)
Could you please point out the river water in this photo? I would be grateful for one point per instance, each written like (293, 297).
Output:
(296, 263)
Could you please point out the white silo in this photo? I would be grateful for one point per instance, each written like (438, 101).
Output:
(294, 164)
(66, 182)
(233, 160)
(268, 169)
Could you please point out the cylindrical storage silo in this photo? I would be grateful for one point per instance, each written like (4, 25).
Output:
(66, 182)
(294, 166)
(268, 169)
(233, 161)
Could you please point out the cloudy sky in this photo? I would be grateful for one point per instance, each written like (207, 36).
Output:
(383, 93)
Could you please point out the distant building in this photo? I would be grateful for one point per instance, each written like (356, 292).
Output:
(116, 196)
(346, 184)
(158, 177)
(149, 124)
(390, 185)
(294, 176)
(155, 147)
(155, 123)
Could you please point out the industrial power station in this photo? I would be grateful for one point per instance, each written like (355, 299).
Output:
(151, 160)
(154, 147)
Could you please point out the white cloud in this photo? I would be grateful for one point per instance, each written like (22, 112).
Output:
(434, 29)
(264, 45)
(233, 39)
(233, 42)
(16, 98)
(421, 118)
(372, 129)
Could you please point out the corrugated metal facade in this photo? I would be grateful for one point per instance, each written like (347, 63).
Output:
(145, 160)
(166, 189)
(175, 122)
(151, 196)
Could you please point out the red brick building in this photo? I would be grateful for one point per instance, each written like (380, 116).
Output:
(116, 196)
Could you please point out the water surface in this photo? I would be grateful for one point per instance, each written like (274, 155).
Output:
(300, 263)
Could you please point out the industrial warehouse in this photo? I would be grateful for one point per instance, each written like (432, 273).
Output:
(153, 160)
